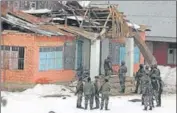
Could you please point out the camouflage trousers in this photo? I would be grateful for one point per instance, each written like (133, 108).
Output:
(97, 101)
(107, 72)
(122, 83)
(104, 100)
(88, 98)
(137, 86)
(79, 99)
(157, 96)
(148, 100)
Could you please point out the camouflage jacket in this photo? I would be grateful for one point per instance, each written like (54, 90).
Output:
(122, 70)
(146, 86)
(107, 64)
(139, 74)
(88, 88)
(79, 87)
(105, 89)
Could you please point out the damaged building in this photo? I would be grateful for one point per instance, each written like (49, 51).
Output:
(53, 47)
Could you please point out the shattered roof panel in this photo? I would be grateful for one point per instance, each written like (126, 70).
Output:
(80, 31)
(54, 28)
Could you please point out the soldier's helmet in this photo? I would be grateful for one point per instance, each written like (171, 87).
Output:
(122, 62)
(109, 57)
(141, 65)
(147, 67)
(155, 65)
(88, 79)
(106, 80)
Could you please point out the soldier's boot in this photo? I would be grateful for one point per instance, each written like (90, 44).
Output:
(159, 103)
(91, 107)
(145, 108)
(77, 106)
(150, 108)
(123, 90)
(101, 107)
(106, 106)
(85, 106)
(153, 104)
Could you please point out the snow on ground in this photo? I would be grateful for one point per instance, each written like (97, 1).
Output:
(33, 100)
(168, 75)
(51, 89)
(34, 104)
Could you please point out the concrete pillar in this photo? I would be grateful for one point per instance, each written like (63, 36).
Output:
(130, 56)
(95, 59)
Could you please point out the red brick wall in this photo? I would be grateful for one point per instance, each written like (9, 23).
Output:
(52, 75)
(31, 73)
(28, 42)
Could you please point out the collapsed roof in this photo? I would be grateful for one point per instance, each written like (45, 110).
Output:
(93, 21)
(89, 22)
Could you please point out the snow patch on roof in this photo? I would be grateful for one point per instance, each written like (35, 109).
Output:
(80, 18)
(135, 26)
(37, 11)
(57, 18)
(84, 3)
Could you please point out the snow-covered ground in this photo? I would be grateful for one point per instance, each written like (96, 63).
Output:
(34, 101)
(30, 103)
(168, 75)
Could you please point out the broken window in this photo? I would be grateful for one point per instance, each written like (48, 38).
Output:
(13, 57)
(51, 58)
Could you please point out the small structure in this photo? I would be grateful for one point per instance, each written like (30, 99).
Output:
(163, 49)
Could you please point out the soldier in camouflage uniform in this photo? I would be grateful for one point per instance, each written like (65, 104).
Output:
(96, 84)
(88, 93)
(138, 76)
(147, 91)
(156, 84)
(79, 92)
(122, 73)
(108, 66)
(105, 91)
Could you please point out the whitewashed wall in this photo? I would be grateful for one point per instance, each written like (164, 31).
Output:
(95, 59)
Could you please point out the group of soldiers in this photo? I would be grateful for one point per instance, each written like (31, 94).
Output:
(91, 91)
(148, 81)
(150, 84)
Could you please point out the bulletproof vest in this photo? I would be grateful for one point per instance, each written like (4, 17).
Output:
(123, 70)
(107, 64)
(141, 72)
